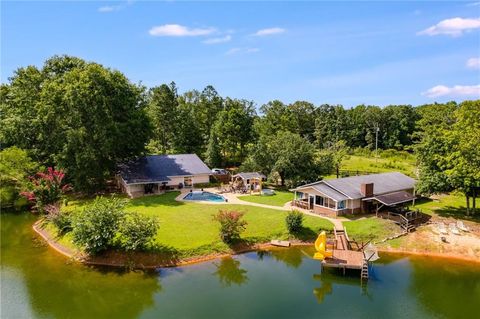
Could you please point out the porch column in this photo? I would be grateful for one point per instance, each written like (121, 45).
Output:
(414, 190)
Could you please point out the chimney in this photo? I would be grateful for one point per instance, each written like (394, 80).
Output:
(366, 189)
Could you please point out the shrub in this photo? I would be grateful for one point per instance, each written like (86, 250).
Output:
(231, 224)
(294, 221)
(58, 218)
(46, 189)
(95, 227)
(137, 231)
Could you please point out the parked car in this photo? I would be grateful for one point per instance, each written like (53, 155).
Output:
(219, 171)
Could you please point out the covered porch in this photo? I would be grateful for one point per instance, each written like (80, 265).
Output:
(320, 203)
(392, 201)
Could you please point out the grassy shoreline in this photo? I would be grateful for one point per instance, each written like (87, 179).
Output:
(140, 262)
(188, 230)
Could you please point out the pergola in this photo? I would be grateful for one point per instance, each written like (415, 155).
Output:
(250, 178)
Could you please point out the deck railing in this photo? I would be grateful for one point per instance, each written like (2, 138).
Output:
(301, 204)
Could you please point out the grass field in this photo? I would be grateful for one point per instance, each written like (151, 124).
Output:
(189, 229)
(447, 205)
(379, 165)
(279, 199)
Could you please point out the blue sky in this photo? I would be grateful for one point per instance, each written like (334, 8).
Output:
(325, 52)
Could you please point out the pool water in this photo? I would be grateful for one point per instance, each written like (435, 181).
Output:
(205, 196)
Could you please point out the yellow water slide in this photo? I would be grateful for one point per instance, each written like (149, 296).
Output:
(320, 246)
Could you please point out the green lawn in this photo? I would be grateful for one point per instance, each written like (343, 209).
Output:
(447, 205)
(368, 228)
(279, 199)
(189, 229)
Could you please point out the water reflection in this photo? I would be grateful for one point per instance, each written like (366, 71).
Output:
(447, 288)
(229, 272)
(57, 288)
(323, 290)
(331, 279)
(290, 257)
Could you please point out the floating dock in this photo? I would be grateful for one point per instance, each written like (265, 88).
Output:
(345, 256)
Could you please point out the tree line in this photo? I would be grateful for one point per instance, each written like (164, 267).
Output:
(85, 118)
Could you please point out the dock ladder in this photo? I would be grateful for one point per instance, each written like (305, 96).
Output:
(364, 274)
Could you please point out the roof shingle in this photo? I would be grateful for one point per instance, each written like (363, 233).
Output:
(158, 168)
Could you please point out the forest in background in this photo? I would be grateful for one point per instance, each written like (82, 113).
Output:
(85, 118)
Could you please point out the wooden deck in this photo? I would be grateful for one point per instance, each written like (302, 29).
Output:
(346, 259)
(344, 256)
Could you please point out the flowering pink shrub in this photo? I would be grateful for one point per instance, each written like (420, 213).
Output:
(231, 224)
(46, 189)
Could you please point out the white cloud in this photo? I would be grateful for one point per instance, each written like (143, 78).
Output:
(108, 8)
(218, 40)
(176, 30)
(473, 4)
(454, 27)
(242, 50)
(269, 31)
(473, 63)
(455, 91)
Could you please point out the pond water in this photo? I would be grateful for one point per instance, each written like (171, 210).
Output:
(36, 282)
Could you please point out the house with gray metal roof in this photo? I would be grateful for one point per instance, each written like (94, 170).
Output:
(355, 194)
(154, 174)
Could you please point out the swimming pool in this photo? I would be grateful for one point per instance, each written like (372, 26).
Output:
(206, 196)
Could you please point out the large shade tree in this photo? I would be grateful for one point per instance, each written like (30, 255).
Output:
(286, 155)
(464, 158)
(163, 112)
(449, 151)
(234, 129)
(76, 115)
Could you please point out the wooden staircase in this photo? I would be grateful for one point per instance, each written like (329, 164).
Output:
(406, 225)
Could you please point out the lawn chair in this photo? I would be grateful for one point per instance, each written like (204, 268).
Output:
(453, 229)
(442, 229)
(461, 226)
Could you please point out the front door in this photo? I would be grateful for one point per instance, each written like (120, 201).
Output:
(311, 201)
(188, 181)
